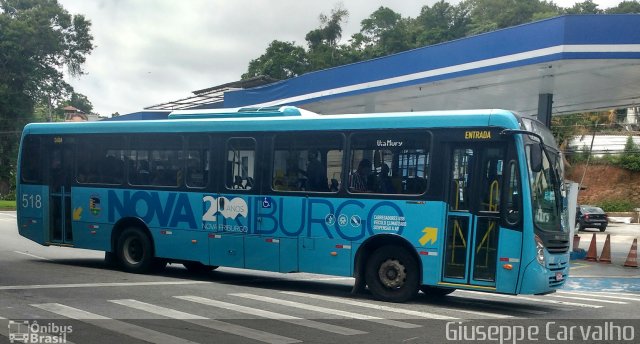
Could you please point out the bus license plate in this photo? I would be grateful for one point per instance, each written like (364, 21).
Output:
(559, 276)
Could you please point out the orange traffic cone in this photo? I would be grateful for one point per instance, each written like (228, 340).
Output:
(592, 254)
(605, 257)
(632, 258)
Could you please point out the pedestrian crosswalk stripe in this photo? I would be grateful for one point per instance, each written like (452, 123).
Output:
(158, 310)
(117, 326)
(616, 296)
(99, 285)
(589, 299)
(326, 310)
(238, 330)
(272, 315)
(371, 305)
(538, 300)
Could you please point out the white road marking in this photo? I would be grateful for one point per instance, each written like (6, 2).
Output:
(273, 315)
(524, 298)
(326, 310)
(371, 305)
(589, 299)
(31, 255)
(617, 296)
(95, 285)
(234, 329)
(511, 309)
(117, 326)
(12, 215)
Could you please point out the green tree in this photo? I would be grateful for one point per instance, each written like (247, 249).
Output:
(384, 32)
(281, 60)
(585, 7)
(625, 7)
(38, 40)
(488, 15)
(79, 101)
(324, 51)
(630, 157)
(442, 22)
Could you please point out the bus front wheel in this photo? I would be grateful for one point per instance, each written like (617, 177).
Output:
(392, 274)
(135, 251)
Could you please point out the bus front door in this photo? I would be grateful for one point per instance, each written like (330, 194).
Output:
(475, 177)
(60, 174)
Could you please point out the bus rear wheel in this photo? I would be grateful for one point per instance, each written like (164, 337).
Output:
(135, 251)
(392, 275)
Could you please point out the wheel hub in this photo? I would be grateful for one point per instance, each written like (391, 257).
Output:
(133, 251)
(392, 273)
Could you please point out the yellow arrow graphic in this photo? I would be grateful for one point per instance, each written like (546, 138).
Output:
(430, 235)
(77, 214)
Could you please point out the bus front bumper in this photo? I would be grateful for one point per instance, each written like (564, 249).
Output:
(538, 279)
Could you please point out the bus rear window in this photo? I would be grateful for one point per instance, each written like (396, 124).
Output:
(31, 154)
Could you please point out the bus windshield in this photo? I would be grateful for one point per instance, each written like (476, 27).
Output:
(546, 196)
(546, 184)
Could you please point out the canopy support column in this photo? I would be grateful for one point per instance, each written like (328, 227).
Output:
(545, 102)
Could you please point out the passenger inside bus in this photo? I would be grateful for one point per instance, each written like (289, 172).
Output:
(384, 184)
(359, 179)
(316, 174)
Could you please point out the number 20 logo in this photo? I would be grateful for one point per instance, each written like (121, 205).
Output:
(230, 209)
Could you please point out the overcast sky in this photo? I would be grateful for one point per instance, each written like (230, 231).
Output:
(154, 51)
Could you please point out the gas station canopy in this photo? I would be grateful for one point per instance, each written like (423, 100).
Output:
(576, 63)
(561, 65)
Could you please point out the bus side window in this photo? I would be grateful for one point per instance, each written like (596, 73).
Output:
(389, 163)
(101, 159)
(30, 169)
(241, 163)
(307, 162)
(156, 160)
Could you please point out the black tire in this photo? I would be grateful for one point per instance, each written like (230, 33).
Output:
(603, 228)
(135, 251)
(199, 268)
(436, 291)
(392, 274)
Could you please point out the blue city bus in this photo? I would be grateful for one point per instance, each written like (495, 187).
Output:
(431, 201)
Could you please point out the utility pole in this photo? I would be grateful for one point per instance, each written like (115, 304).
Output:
(584, 172)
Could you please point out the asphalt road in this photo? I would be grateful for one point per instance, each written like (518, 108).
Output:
(72, 291)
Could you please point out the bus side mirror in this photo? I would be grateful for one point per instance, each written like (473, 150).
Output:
(535, 157)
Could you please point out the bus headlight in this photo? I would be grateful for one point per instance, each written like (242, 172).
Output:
(539, 251)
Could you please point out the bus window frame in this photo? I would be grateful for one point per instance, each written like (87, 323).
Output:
(512, 159)
(271, 157)
(225, 160)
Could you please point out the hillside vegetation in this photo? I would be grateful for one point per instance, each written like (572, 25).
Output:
(610, 187)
